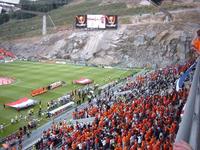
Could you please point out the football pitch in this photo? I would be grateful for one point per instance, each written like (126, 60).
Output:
(32, 75)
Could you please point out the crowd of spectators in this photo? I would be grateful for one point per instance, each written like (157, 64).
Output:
(14, 141)
(146, 118)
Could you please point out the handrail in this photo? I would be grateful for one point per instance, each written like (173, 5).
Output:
(189, 129)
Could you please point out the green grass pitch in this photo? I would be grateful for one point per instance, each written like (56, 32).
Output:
(32, 75)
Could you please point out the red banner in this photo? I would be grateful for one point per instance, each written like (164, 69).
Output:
(38, 91)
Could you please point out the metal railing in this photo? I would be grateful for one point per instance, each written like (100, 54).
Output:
(189, 130)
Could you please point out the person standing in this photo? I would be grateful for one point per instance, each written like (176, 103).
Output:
(196, 43)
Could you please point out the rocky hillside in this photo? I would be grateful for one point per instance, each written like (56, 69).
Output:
(146, 41)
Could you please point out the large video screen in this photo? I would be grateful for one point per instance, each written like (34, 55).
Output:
(96, 21)
(111, 21)
(81, 21)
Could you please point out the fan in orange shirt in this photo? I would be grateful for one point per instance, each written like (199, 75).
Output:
(196, 43)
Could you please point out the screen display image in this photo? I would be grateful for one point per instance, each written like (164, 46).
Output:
(111, 21)
(96, 21)
(81, 21)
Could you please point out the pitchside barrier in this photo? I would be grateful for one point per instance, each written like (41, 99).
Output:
(83, 63)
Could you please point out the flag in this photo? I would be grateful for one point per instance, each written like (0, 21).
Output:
(180, 81)
(22, 103)
(83, 81)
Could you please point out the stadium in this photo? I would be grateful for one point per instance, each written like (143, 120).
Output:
(99, 74)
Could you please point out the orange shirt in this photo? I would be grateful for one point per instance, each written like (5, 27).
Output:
(143, 145)
(150, 147)
(165, 146)
(118, 148)
(196, 44)
(119, 140)
(74, 145)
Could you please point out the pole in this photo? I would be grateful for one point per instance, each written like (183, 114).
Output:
(52, 21)
(44, 25)
(167, 13)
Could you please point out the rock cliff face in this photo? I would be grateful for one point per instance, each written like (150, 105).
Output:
(147, 41)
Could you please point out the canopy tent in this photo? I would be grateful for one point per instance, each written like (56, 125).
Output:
(22, 103)
(83, 81)
(61, 108)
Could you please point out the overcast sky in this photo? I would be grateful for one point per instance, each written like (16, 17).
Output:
(11, 1)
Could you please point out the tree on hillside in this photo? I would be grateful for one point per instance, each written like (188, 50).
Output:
(39, 6)
(4, 18)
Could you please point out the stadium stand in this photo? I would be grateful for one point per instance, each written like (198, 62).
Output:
(144, 119)
(1, 57)
(6, 55)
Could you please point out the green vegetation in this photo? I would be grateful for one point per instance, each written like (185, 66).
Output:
(38, 6)
(64, 16)
(125, 20)
(31, 75)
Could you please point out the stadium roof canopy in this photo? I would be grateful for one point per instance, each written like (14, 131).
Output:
(10, 1)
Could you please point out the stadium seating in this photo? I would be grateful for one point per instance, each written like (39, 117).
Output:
(148, 119)
(6, 55)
